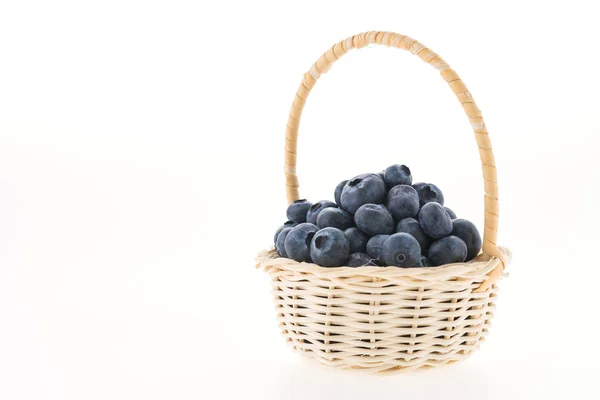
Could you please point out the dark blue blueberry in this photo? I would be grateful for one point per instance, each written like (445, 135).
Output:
(335, 218)
(359, 260)
(297, 210)
(313, 212)
(447, 250)
(363, 189)
(358, 240)
(297, 242)
(435, 221)
(337, 195)
(329, 248)
(374, 246)
(418, 186)
(413, 228)
(397, 175)
(401, 250)
(403, 202)
(287, 224)
(451, 213)
(374, 219)
(468, 233)
(428, 193)
(280, 243)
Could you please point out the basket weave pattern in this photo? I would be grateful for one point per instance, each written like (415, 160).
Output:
(386, 319)
(382, 319)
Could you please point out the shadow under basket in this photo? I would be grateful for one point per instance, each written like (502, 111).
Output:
(388, 319)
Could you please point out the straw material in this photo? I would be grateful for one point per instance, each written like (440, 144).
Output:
(386, 319)
(382, 319)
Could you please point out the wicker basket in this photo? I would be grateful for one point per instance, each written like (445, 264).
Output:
(386, 319)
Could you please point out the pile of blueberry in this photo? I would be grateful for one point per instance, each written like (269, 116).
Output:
(378, 219)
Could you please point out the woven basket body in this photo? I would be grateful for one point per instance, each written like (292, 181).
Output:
(382, 319)
(386, 319)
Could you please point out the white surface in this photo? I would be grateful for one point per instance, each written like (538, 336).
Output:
(141, 170)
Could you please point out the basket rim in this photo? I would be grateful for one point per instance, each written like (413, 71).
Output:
(268, 260)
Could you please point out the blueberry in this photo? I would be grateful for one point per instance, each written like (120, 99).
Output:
(362, 189)
(418, 186)
(435, 221)
(335, 218)
(401, 250)
(287, 224)
(358, 240)
(468, 233)
(451, 213)
(359, 260)
(382, 174)
(428, 193)
(374, 246)
(297, 210)
(447, 250)
(337, 195)
(403, 202)
(297, 242)
(413, 228)
(280, 243)
(329, 248)
(374, 219)
(423, 262)
(397, 175)
(400, 189)
(315, 209)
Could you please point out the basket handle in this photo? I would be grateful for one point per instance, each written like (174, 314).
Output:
(463, 95)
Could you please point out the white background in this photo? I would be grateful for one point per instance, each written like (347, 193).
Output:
(141, 152)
